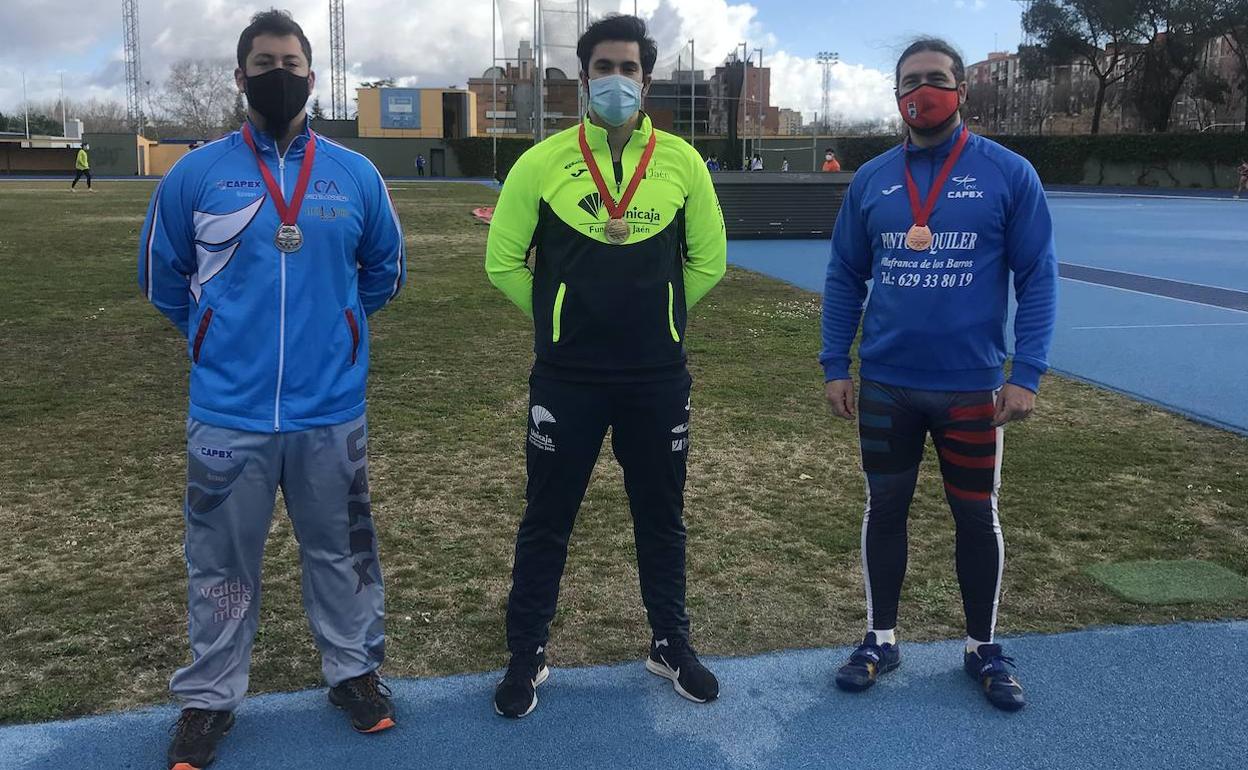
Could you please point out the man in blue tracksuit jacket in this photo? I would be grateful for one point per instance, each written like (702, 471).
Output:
(275, 311)
(939, 225)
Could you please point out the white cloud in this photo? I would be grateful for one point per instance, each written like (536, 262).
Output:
(857, 92)
(418, 42)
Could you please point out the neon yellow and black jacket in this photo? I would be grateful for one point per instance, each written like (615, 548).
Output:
(81, 163)
(604, 313)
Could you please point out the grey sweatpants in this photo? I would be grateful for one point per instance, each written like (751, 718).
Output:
(232, 480)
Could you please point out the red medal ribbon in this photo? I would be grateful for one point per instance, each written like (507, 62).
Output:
(614, 210)
(924, 212)
(288, 213)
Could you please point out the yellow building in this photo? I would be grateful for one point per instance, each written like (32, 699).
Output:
(417, 113)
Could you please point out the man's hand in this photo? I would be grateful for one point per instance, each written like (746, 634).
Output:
(1014, 403)
(840, 395)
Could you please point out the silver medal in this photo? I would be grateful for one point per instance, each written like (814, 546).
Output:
(289, 239)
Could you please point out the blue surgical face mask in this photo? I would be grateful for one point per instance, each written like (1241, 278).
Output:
(615, 98)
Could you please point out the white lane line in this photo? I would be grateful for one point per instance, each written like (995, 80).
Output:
(1156, 326)
(1109, 195)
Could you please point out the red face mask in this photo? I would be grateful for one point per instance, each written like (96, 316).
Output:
(928, 106)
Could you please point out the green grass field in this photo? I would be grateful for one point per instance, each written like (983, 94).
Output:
(92, 408)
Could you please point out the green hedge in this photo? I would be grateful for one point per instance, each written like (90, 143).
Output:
(1058, 159)
(476, 155)
(1061, 159)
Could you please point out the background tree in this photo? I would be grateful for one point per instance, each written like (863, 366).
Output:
(99, 115)
(1099, 32)
(1209, 91)
(1233, 21)
(41, 124)
(238, 113)
(1179, 31)
(198, 95)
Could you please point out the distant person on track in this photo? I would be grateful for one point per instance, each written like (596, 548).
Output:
(940, 224)
(274, 301)
(712, 163)
(622, 255)
(1243, 177)
(830, 163)
(784, 165)
(420, 165)
(756, 164)
(82, 167)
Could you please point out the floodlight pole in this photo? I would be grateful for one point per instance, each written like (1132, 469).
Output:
(26, 105)
(539, 130)
(494, 84)
(693, 96)
(64, 123)
(814, 144)
(758, 96)
(741, 102)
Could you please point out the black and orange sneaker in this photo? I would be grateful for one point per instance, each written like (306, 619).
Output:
(195, 737)
(988, 667)
(366, 699)
(867, 663)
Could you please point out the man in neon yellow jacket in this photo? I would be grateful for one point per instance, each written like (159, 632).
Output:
(83, 167)
(628, 236)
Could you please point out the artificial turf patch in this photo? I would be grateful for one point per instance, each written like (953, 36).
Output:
(1171, 582)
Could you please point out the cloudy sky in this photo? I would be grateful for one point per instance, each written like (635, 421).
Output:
(422, 43)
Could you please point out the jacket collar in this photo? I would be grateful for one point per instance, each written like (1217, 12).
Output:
(944, 148)
(597, 135)
(266, 144)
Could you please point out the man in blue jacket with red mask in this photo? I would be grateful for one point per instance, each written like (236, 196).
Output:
(268, 250)
(939, 224)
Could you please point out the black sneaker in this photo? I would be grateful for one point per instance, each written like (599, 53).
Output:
(195, 738)
(672, 658)
(988, 667)
(867, 663)
(366, 699)
(516, 694)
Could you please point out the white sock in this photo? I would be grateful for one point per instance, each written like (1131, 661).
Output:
(884, 637)
(972, 645)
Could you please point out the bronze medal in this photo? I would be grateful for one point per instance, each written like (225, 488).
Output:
(617, 231)
(919, 238)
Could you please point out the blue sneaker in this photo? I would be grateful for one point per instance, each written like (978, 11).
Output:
(988, 667)
(866, 664)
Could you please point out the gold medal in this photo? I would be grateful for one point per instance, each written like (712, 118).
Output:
(919, 238)
(617, 231)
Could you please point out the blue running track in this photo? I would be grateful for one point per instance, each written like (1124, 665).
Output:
(1153, 303)
(1165, 697)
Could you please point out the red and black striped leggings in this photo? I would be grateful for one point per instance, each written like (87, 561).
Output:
(893, 425)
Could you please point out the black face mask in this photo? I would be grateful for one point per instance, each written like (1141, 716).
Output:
(278, 95)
